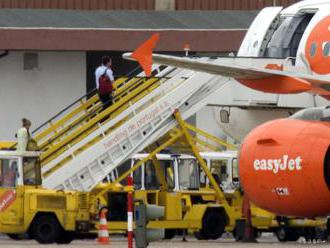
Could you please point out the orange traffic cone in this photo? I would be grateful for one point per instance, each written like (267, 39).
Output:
(103, 234)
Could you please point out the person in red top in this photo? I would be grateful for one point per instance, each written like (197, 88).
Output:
(104, 73)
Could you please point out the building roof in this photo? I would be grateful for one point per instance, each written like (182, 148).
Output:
(145, 4)
(114, 30)
(32, 18)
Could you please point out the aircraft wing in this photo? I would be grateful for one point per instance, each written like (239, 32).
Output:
(262, 79)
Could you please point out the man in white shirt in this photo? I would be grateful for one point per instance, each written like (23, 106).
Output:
(104, 69)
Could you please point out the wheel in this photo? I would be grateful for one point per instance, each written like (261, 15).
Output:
(321, 234)
(170, 233)
(237, 236)
(293, 236)
(285, 234)
(15, 236)
(281, 234)
(65, 237)
(309, 234)
(199, 235)
(213, 224)
(46, 229)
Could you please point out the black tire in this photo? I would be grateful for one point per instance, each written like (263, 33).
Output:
(15, 236)
(309, 234)
(321, 234)
(237, 236)
(65, 237)
(294, 236)
(282, 234)
(285, 234)
(213, 225)
(45, 229)
(170, 233)
(199, 235)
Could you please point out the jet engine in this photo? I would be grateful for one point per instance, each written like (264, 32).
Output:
(285, 166)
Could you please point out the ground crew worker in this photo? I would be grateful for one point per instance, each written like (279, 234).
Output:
(23, 135)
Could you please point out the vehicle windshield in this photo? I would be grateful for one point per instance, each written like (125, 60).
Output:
(137, 178)
(31, 171)
(150, 177)
(9, 172)
(219, 170)
(151, 180)
(188, 174)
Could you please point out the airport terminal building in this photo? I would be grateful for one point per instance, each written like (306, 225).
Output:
(50, 49)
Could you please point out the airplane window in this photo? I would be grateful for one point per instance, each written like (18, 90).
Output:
(313, 49)
(326, 48)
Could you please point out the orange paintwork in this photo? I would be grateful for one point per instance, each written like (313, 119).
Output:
(318, 62)
(143, 54)
(277, 84)
(274, 67)
(282, 167)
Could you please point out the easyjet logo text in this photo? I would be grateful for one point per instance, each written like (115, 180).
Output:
(276, 165)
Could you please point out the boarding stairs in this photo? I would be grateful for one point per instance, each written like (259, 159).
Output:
(82, 110)
(81, 117)
(83, 164)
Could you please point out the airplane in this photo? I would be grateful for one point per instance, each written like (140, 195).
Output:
(284, 163)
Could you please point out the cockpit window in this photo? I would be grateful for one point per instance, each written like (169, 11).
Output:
(8, 173)
(326, 49)
(313, 49)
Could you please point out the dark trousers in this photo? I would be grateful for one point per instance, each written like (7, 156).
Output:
(107, 101)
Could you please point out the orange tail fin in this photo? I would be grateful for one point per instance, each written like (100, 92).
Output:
(143, 54)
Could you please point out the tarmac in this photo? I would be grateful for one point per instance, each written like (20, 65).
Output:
(121, 242)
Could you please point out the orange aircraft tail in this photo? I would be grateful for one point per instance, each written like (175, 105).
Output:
(143, 54)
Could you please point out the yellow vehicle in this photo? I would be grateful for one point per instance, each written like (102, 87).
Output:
(46, 215)
(183, 178)
(56, 216)
(163, 181)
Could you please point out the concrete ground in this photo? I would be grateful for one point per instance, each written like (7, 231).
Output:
(120, 242)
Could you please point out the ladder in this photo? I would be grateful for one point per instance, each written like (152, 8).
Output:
(88, 161)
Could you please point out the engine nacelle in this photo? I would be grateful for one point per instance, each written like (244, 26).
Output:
(285, 167)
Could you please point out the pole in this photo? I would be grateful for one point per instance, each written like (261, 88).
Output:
(130, 212)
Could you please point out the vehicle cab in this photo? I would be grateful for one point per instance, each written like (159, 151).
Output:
(224, 169)
(181, 172)
(18, 171)
(19, 168)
